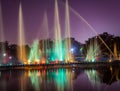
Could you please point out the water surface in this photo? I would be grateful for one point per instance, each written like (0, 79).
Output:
(60, 80)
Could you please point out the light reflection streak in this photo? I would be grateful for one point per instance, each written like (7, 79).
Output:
(59, 78)
(35, 80)
(23, 81)
(93, 78)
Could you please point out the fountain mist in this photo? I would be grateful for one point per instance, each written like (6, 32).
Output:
(1, 32)
(58, 41)
(21, 39)
(34, 56)
(67, 34)
(92, 51)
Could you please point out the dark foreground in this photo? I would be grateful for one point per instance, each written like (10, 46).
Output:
(84, 65)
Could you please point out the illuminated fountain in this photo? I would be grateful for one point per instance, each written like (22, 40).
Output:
(58, 52)
(116, 54)
(45, 42)
(34, 56)
(39, 50)
(21, 39)
(67, 35)
(92, 29)
(2, 40)
(92, 51)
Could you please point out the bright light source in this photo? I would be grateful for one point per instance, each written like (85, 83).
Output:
(4, 54)
(10, 64)
(25, 63)
(10, 57)
(28, 61)
(71, 50)
(37, 60)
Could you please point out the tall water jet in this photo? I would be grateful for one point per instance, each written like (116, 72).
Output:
(116, 53)
(39, 50)
(45, 42)
(67, 34)
(2, 52)
(45, 26)
(21, 39)
(58, 41)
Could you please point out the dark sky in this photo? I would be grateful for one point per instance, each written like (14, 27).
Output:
(103, 15)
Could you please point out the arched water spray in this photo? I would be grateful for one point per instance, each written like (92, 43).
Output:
(67, 33)
(58, 41)
(91, 28)
(21, 39)
(81, 18)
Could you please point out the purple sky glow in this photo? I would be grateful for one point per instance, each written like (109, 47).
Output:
(103, 15)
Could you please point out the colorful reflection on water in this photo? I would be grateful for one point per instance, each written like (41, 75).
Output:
(42, 80)
(60, 80)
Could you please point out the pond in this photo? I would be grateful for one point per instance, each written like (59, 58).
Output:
(74, 79)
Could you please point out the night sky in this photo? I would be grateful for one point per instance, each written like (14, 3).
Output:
(103, 15)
